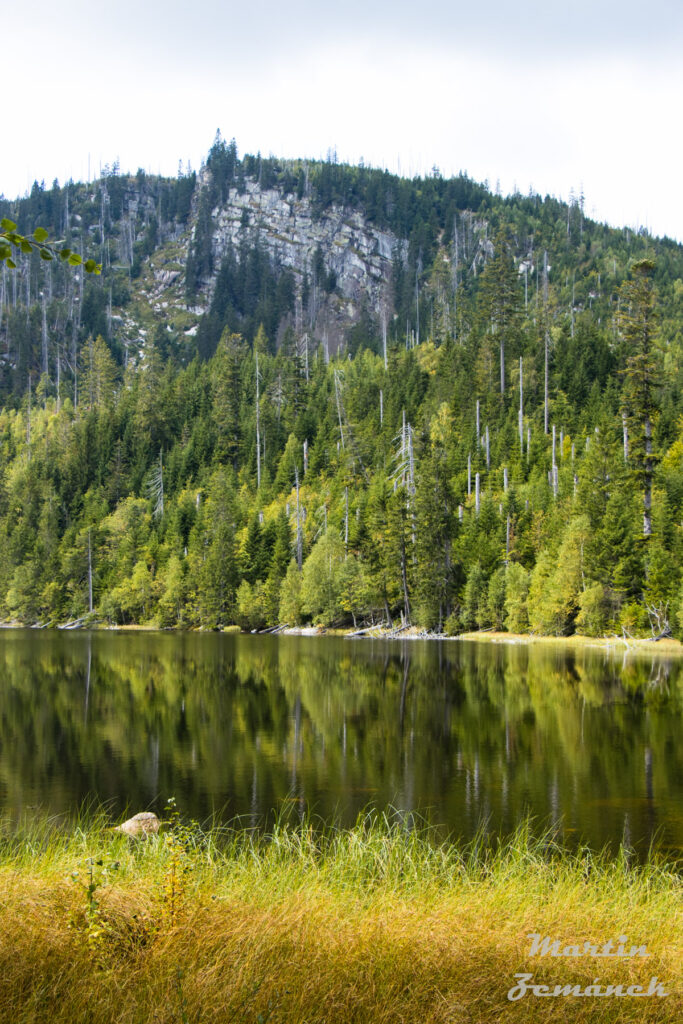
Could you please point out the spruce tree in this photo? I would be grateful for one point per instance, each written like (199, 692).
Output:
(637, 321)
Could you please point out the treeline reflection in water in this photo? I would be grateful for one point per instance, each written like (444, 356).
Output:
(241, 725)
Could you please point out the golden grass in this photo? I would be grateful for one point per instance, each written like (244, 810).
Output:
(632, 644)
(374, 924)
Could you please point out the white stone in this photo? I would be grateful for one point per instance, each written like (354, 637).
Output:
(141, 824)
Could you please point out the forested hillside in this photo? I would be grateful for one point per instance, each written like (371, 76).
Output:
(303, 391)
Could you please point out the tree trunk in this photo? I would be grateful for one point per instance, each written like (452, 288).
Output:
(258, 431)
(89, 574)
(404, 577)
(545, 387)
(502, 364)
(647, 484)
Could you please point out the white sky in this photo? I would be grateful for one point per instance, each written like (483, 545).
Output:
(556, 96)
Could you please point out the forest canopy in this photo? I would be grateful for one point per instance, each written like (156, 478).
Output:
(497, 443)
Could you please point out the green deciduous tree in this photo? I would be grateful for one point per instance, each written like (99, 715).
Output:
(593, 613)
(173, 592)
(290, 612)
(557, 582)
(516, 594)
(251, 607)
(321, 584)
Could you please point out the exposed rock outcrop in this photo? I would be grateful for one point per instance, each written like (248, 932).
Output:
(358, 255)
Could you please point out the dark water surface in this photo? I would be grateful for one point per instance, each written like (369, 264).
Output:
(462, 732)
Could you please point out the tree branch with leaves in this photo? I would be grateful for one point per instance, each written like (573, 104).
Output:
(12, 242)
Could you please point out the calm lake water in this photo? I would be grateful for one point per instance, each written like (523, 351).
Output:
(464, 733)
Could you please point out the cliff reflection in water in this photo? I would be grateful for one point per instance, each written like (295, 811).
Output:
(238, 724)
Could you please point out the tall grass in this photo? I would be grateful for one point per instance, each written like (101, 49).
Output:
(381, 922)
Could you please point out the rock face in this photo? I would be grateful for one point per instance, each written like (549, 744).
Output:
(353, 281)
(359, 255)
(141, 824)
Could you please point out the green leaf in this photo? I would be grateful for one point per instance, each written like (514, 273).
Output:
(91, 267)
(11, 264)
(40, 235)
(26, 246)
(7, 225)
(45, 255)
(75, 260)
(64, 254)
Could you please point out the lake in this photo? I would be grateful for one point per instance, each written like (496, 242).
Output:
(464, 733)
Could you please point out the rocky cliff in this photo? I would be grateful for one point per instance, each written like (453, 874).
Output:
(355, 255)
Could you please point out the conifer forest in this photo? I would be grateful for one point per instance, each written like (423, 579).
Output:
(306, 392)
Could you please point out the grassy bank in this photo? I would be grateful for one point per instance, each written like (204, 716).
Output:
(378, 923)
(669, 646)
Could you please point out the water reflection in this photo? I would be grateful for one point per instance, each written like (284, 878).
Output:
(239, 724)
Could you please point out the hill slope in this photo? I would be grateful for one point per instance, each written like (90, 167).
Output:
(306, 390)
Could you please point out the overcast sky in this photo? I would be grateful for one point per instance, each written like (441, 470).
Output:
(541, 94)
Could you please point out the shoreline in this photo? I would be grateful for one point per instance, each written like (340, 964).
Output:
(667, 646)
